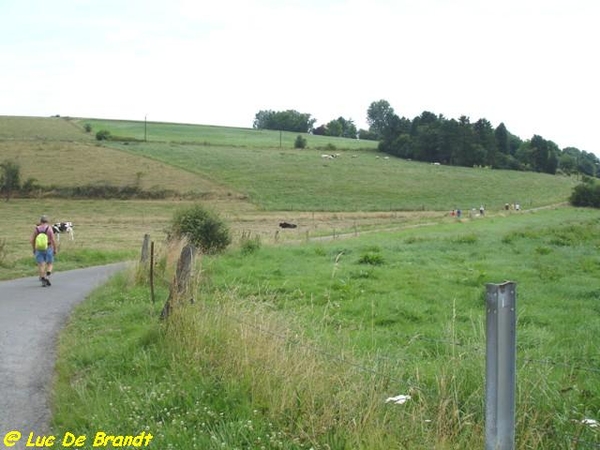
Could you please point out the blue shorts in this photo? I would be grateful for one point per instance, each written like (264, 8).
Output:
(44, 256)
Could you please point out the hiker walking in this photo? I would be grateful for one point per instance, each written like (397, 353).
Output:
(44, 249)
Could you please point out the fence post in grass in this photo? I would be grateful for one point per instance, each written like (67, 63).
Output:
(152, 271)
(145, 248)
(501, 363)
(181, 282)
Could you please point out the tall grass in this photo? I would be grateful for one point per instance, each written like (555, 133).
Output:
(300, 347)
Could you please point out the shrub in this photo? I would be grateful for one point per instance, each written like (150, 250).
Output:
(250, 244)
(300, 142)
(202, 228)
(87, 127)
(30, 185)
(371, 258)
(586, 194)
(10, 178)
(103, 135)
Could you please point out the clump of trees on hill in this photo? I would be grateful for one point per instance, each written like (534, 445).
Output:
(460, 142)
(434, 138)
(339, 127)
(289, 120)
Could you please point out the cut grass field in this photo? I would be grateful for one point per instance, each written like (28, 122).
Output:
(14, 128)
(298, 346)
(357, 181)
(68, 164)
(219, 136)
(275, 179)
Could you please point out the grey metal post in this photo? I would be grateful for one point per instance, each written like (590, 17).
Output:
(501, 361)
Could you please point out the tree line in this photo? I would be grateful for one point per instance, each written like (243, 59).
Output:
(434, 138)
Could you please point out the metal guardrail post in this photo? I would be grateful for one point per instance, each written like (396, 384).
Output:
(501, 351)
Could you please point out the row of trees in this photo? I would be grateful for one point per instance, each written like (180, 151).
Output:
(434, 138)
(292, 120)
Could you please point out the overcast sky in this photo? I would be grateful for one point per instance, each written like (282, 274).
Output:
(532, 64)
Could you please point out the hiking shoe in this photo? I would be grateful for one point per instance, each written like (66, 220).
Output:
(44, 281)
(48, 282)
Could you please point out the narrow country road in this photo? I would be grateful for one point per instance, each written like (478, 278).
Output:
(30, 319)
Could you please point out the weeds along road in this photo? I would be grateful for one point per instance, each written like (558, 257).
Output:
(30, 319)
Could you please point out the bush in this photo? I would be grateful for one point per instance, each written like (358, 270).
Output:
(30, 185)
(300, 142)
(103, 135)
(250, 244)
(371, 258)
(202, 228)
(586, 194)
(87, 127)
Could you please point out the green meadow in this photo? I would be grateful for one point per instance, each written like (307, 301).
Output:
(295, 339)
(207, 135)
(356, 181)
(296, 347)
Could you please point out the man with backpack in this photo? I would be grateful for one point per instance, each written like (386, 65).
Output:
(44, 249)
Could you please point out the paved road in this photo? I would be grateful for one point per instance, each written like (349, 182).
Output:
(30, 319)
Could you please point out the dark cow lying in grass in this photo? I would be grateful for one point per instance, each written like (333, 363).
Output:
(287, 225)
(63, 227)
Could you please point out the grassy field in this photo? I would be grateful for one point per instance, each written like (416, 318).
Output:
(15, 128)
(74, 164)
(219, 136)
(296, 342)
(297, 347)
(302, 180)
(273, 179)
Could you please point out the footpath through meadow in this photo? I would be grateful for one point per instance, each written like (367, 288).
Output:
(30, 319)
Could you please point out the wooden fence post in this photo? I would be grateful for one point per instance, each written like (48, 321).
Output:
(145, 248)
(181, 283)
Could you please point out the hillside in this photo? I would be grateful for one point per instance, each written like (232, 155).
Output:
(262, 166)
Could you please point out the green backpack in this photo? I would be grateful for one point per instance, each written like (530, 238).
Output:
(41, 240)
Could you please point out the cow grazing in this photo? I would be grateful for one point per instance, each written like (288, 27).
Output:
(287, 225)
(63, 227)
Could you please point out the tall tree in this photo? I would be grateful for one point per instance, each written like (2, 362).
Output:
(290, 120)
(379, 117)
(484, 137)
(464, 153)
(450, 138)
(341, 127)
(501, 136)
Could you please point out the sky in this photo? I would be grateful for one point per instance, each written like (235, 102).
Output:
(530, 64)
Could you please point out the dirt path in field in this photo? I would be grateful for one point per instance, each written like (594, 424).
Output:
(30, 319)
